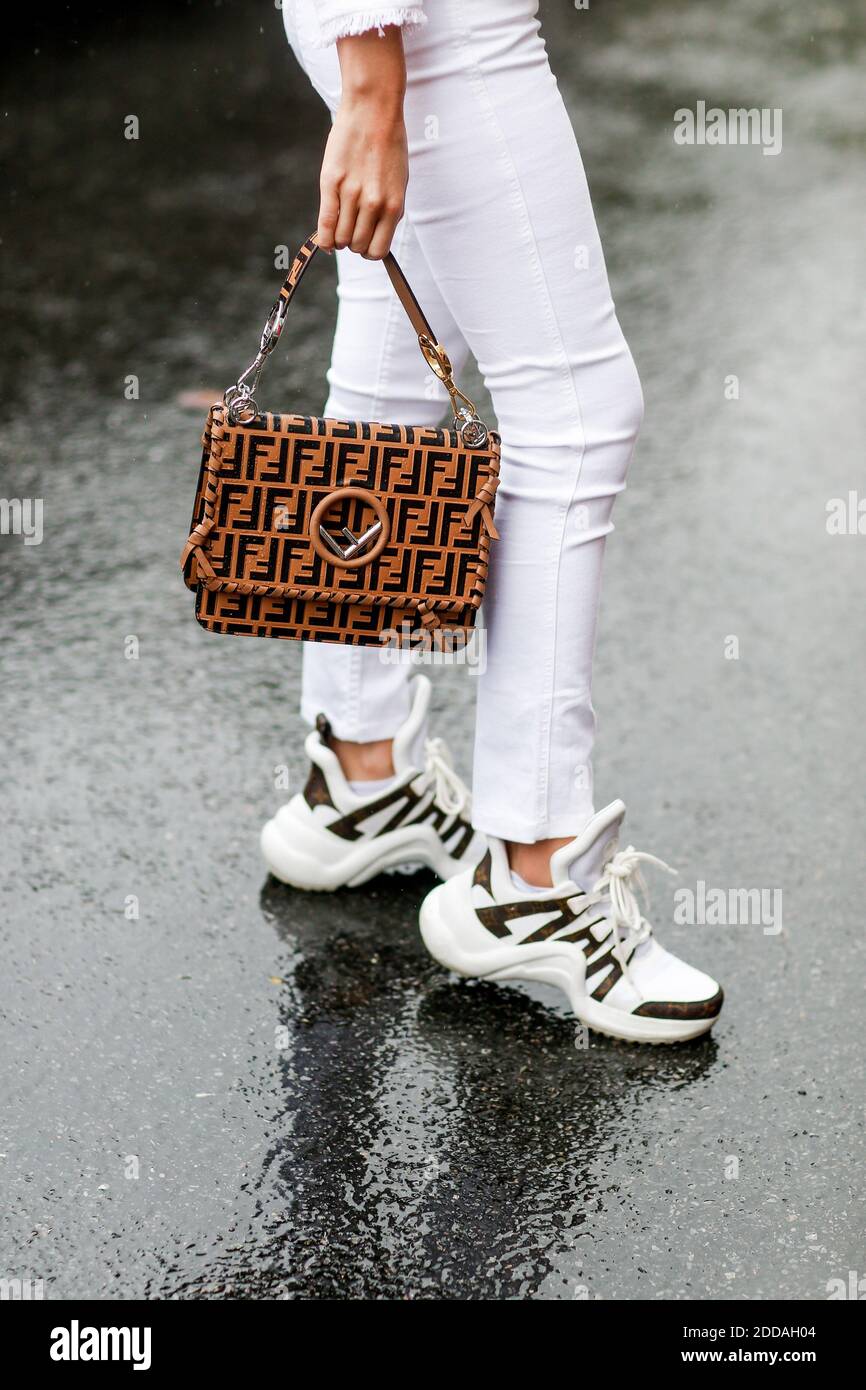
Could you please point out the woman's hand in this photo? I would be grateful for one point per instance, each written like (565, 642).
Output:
(366, 164)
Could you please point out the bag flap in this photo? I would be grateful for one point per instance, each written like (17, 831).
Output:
(254, 529)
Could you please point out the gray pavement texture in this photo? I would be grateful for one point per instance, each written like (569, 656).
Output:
(248, 1092)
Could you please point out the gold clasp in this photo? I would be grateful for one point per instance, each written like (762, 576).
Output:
(436, 357)
(467, 422)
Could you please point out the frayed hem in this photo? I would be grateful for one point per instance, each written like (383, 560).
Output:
(406, 17)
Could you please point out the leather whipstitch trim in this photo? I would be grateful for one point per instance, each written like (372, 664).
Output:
(212, 442)
(201, 571)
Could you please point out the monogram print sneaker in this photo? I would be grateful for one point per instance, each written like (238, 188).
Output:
(585, 934)
(330, 837)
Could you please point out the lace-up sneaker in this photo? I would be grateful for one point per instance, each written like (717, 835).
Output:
(330, 837)
(585, 934)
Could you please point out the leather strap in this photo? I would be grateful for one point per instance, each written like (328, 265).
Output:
(240, 398)
(401, 285)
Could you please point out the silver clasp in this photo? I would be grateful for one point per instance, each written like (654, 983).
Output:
(273, 327)
(240, 399)
(471, 428)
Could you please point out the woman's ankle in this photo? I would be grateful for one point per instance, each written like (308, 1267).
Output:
(365, 762)
(532, 862)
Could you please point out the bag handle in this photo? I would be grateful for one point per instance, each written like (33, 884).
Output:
(240, 398)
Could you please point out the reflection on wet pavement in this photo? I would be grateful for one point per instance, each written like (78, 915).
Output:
(448, 1134)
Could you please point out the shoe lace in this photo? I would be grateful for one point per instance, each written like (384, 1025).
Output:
(450, 792)
(621, 881)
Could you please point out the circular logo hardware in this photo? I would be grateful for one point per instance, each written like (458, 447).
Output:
(473, 434)
(351, 551)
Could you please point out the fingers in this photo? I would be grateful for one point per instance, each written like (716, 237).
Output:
(380, 242)
(363, 222)
(349, 196)
(329, 211)
(365, 225)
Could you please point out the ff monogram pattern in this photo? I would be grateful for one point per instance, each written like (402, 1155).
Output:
(257, 557)
(253, 563)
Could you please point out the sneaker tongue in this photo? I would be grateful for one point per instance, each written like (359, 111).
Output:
(583, 858)
(408, 747)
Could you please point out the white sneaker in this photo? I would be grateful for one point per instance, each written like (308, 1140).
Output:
(329, 837)
(585, 934)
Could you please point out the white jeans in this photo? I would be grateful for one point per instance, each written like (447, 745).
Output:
(500, 245)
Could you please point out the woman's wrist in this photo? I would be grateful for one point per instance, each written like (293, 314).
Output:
(365, 166)
(381, 110)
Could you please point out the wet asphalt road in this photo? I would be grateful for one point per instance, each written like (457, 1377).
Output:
(249, 1092)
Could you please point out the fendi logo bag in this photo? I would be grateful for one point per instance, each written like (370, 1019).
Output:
(340, 530)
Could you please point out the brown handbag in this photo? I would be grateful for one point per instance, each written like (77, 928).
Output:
(337, 530)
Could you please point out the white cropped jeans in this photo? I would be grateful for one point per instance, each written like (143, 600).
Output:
(500, 245)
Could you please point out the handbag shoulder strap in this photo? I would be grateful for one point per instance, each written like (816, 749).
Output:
(240, 398)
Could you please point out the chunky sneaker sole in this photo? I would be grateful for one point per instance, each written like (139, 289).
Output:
(305, 854)
(624, 985)
(330, 837)
(545, 965)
